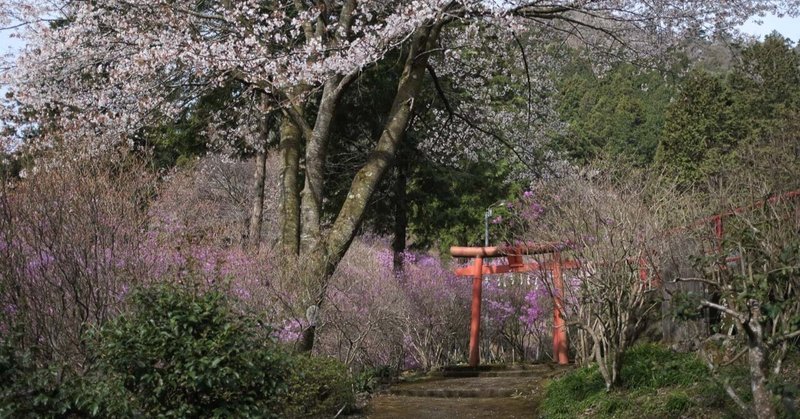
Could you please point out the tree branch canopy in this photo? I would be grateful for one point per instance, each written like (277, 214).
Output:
(107, 75)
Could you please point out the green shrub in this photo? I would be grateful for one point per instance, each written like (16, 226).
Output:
(370, 379)
(184, 354)
(178, 353)
(26, 389)
(318, 386)
(654, 366)
(55, 390)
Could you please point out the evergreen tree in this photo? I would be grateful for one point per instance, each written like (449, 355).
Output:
(620, 113)
(766, 85)
(701, 130)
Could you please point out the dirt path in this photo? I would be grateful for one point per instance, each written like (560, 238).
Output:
(495, 392)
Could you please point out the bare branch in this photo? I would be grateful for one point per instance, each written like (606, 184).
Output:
(734, 313)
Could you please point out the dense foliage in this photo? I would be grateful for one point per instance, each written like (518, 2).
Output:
(619, 113)
(26, 390)
(702, 129)
(180, 353)
(716, 119)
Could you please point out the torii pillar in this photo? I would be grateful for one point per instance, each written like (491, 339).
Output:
(475, 319)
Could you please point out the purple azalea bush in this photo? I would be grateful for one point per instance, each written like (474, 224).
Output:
(419, 317)
(73, 246)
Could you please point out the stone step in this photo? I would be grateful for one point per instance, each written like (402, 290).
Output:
(497, 367)
(487, 373)
(388, 406)
(489, 381)
(453, 393)
(466, 387)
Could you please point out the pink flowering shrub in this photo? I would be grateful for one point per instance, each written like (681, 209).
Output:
(437, 326)
(77, 238)
(366, 311)
(70, 247)
(244, 275)
(74, 242)
(195, 233)
(419, 318)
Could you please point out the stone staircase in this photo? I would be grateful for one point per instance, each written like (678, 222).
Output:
(496, 391)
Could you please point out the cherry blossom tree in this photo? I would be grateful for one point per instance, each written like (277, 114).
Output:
(103, 71)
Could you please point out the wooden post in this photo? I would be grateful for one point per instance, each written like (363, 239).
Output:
(475, 323)
(560, 343)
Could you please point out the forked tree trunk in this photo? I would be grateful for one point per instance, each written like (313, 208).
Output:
(321, 261)
(757, 355)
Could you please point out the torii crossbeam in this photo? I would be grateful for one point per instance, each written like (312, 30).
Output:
(515, 264)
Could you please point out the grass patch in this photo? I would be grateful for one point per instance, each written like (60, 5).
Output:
(655, 382)
(653, 366)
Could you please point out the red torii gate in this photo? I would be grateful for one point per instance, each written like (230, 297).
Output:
(515, 264)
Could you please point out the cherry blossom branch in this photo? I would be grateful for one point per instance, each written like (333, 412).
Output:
(439, 90)
(199, 15)
(469, 122)
(346, 19)
(529, 10)
(307, 28)
(17, 26)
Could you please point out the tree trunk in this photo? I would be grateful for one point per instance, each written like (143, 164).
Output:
(400, 215)
(757, 357)
(315, 272)
(290, 185)
(316, 147)
(259, 180)
(257, 210)
(369, 176)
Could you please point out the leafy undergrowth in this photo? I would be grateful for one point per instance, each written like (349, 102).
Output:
(655, 382)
